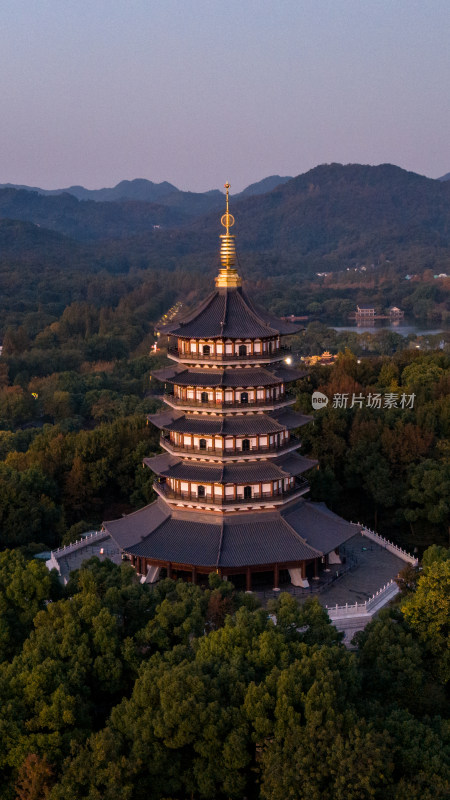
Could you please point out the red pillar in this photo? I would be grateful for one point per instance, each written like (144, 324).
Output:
(248, 580)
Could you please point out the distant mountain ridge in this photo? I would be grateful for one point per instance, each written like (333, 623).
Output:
(261, 187)
(146, 191)
(156, 204)
(326, 219)
(138, 189)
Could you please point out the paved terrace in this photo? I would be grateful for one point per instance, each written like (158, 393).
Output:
(375, 566)
(367, 568)
(71, 557)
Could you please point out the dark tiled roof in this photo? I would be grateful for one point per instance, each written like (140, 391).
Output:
(249, 377)
(237, 425)
(295, 464)
(288, 374)
(253, 471)
(172, 467)
(130, 529)
(186, 470)
(161, 463)
(241, 424)
(168, 373)
(290, 419)
(216, 377)
(304, 531)
(229, 313)
(262, 542)
(164, 419)
(210, 377)
(181, 542)
(319, 526)
(227, 543)
(201, 425)
(250, 423)
(227, 377)
(283, 326)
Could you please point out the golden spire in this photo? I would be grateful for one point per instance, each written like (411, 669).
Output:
(228, 274)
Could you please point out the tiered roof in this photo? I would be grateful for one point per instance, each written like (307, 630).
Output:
(301, 531)
(228, 313)
(170, 466)
(237, 425)
(228, 378)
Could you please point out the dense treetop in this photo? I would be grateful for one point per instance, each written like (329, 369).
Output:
(116, 690)
(389, 466)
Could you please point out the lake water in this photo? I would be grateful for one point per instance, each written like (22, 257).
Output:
(402, 329)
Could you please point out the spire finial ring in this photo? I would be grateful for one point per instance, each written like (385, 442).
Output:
(227, 220)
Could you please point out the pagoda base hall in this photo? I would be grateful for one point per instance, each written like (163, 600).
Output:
(252, 548)
(230, 481)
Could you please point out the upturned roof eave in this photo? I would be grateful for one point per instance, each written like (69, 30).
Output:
(179, 375)
(259, 471)
(219, 326)
(248, 424)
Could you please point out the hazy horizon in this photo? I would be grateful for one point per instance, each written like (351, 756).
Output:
(199, 92)
(187, 189)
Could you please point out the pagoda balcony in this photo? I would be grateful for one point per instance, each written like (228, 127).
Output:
(227, 358)
(300, 488)
(288, 399)
(230, 453)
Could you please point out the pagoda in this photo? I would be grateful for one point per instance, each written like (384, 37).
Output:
(230, 482)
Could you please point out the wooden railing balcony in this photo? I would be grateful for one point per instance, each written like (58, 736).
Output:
(300, 487)
(273, 355)
(293, 443)
(285, 399)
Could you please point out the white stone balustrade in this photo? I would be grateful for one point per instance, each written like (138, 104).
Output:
(76, 552)
(70, 548)
(393, 548)
(366, 609)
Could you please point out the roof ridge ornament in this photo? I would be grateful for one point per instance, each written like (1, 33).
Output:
(228, 276)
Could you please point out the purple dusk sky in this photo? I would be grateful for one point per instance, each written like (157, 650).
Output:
(197, 92)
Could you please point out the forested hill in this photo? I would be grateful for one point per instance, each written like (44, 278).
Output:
(86, 220)
(266, 185)
(329, 218)
(341, 214)
(28, 241)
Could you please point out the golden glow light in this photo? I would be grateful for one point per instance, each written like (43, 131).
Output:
(228, 276)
